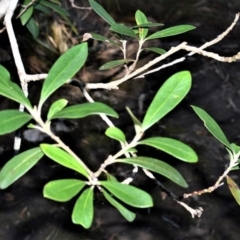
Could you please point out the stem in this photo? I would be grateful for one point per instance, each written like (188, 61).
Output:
(111, 159)
(45, 127)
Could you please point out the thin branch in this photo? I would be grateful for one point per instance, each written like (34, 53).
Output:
(81, 8)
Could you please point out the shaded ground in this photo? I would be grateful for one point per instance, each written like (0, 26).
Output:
(25, 214)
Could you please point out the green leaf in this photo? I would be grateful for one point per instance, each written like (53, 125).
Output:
(137, 123)
(84, 110)
(33, 27)
(123, 29)
(101, 12)
(168, 97)
(212, 126)
(11, 120)
(98, 37)
(110, 177)
(128, 215)
(234, 189)
(83, 209)
(173, 147)
(42, 8)
(147, 25)
(63, 158)
(63, 190)
(130, 195)
(27, 14)
(116, 133)
(114, 63)
(157, 166)
(56, 107)
(171, 31)
(10, 89)
(54, 7)
(18, 166)
(140, 20)
(235, 148)
(64, 69)
(156, 50)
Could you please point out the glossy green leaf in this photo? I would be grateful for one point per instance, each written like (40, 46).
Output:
(10, 89)
(33, 27)
(171, 31)
(212, 126)
(18, 166)
(98, 37)
(84, 110)
(141, 19)
(27, 14)
(83, 209)
(54, 7)
(11, 120)
(116, 133)
(63, 190)
(128, 215)
(137, 123)
(114, 63)
(63, 158)
(101, 12)
(123, 29)
(157, 166)
(173, 147)
(156, 50)
(64, 69)
(130, 195)
(234, 189)
(167, 98)
(56, 107)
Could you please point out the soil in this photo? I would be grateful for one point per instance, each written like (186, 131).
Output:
(26, 215)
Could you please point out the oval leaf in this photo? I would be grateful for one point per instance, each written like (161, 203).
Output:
(63, 158)
(63, 70)
(11, 120)
(171, 31)
(234, 189)
(114, 63)
(157, 166)
(11, 90)
(101, 12)
(27, 14)
(18, 166)
(83, 209)
(63, 190)
(140, 20)
(123, 30)
(56, 107)
(128, 215)
(212, 126)
(84, 110)
(156, 50)
(168, 97)
(173, 147)
(116, 133)
(130, 195)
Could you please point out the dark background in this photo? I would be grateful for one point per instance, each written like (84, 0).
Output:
(25, 214)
